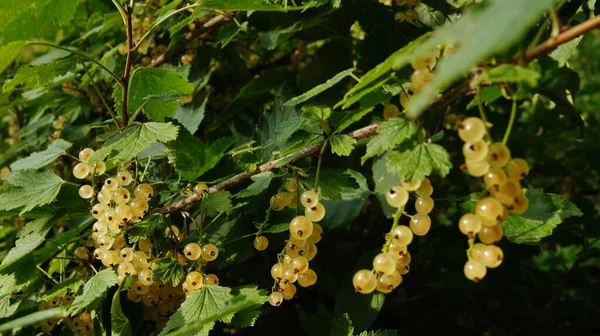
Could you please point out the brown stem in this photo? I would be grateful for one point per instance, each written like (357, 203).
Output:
(127, 71)
(563, 37)
(241, 177)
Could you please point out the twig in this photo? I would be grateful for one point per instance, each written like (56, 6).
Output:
(159, 22)
(101, 96)
(241, 177)
(127, 71)
(563, 37)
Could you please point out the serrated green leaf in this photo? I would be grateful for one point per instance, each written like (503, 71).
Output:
(17, 276)
(564, 51)
(6, 308)
(313, 118)
(154, 81)
(217, 203)
(120, 324)
(390, 134)
(362, 309)
(545, 212)
(31, 77)
(331, 183)
(509, 73)
(95, 288)
(345, 210)
(134, 140)
(22, 20)
(319, 88)
(29, 189)
(192, 157)
(248, 316)
(206, 301)
(260, 184)
(342, 144)
(191, 117)
(478, 35)
(168, 271)
(33, 318)
(33, 236)
(342, 326)
(488, 94)
(419, 162)
(40, 159)
(9, 52)
(146, 228)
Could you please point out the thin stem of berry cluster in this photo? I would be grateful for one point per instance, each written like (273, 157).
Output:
(511, 121)
(319, 163)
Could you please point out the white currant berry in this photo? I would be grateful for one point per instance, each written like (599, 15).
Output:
(124, 178)
(471, 129)
(261, 243)
(301, 228)
(81, 170)
(315, 213)
(420, 224)
(397, 196)
(309, 199)
(275, 299)
(474, 270)
(364, 281)
(402, 235)
(86, 191)
(85, 154)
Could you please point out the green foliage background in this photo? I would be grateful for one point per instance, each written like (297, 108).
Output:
(268, 80)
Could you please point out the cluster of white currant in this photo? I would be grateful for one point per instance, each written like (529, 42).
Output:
(405, 14)
(65, 299)
(393, 262)
(501, 176)
(58, 124)
(300, 249)
(202, 254)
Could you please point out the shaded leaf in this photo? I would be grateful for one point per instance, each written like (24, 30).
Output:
(9, 52)
(33, 236)
(390, 134)
(191, 117)
(217, 203)
(319, 88)
(168, 271)
(342, 144)
(260, 183)
(95, 288)
(31, 77)
(120, 324)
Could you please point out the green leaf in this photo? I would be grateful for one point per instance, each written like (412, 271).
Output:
(351, 117)
(390, 134)
(277, 228)
(95, 288)
(168, 271)
(217, 203)
(313, 118)
(377, 76)
(331, 183)
(384, 180)
(362, 309)
(488, 94)
(342, 326)
(348, 208)
(342, 144)
(478, 35)
(248, 316)
(32, 237)
(31, 77)
(228, 32)
(22, 20)
(260, 184)
(29, 189)
(120, 324)
(18, 275)
(545, 212)
(508, 73)
(153, 81)
(40, 159)
(192, 157)
(9, 52)
(134, 140)
(206, 301)
(191, 117)
(419, 162)
(563, 52)
(56, 312)
(319, 88)
(70, 285)
(146, 228)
